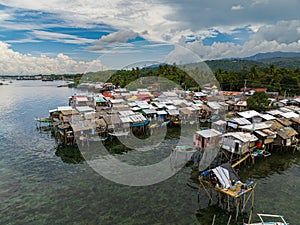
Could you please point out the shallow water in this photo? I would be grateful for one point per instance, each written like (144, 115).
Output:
(43, 184)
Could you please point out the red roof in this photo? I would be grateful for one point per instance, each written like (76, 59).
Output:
(143, 96)
(107, 94)
(230, 93)
(254, 89)
(260, 89)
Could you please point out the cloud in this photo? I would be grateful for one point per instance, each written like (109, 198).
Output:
(282, 32)
(164, 20)
(59, 37)
(113, 39)
(4, 16)
(120, 14)
(181, 55)
(220, 50)
(25, 40)
(230, 30)
(13, 63)
(237, 7)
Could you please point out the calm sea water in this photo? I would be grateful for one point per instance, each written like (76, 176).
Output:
(43, 184)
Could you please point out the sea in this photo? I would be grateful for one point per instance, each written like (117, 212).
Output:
(42, 182)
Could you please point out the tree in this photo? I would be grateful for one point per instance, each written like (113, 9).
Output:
(258, 101)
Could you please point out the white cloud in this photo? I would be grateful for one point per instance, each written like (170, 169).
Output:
(59, 37)
(282, 32)
(237, 7)
(120, 14)
(227, 50)
(13, 63)
(164, 20)
(275, 23)
(25, 40)
(113, 39)
(4, 16)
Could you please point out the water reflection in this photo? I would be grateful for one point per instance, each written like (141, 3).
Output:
(277, 163)
(219, 216)
(69, 154)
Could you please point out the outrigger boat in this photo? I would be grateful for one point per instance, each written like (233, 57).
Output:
(262, 222)
(44, 122)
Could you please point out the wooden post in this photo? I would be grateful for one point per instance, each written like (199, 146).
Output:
(208, 194)
(220, 198)
(228, 203)
(213, 222)
(252, 197)
(243, 205)
(237, 208)
(229, 220)
(249, 220)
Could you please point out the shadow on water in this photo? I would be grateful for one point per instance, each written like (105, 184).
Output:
(277, 163)
(69, 154)
(72, 154)
(207, 215)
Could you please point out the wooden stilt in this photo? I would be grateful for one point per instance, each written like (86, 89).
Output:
(237, 209)
(228, 222)
(220, 199)
(228, 203)
(208, 194)
(244, 199)
(213, 222)
(249, 220)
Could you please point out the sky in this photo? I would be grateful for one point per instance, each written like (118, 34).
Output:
(63, 36)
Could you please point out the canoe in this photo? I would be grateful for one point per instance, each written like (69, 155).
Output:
(275, 217)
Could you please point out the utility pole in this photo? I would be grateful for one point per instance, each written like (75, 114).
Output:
(245, 86)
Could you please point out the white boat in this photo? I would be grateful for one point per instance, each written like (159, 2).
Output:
(263, 222)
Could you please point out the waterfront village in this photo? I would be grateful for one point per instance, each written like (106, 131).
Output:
(221, 120)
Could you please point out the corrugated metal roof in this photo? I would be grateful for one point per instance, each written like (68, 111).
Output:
(274, 112)
(256, 126)
(214, 105)
(287, 132)
(289, 115)
(248, 114)
(240, 121)
(209, 133)
(267, 117)
(266, 133)
(161, 112)
(173, 112)
(244, 137)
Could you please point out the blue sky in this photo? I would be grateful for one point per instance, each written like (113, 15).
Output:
(60, 36)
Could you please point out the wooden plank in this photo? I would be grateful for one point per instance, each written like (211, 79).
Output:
(241, 160)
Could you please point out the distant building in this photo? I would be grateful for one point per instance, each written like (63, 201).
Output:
(251, 91)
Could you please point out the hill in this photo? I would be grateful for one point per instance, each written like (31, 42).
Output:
(271, 55)
(232, 65)
(288, 60)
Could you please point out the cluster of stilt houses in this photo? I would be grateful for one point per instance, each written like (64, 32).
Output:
(221, 118)
(119, 112)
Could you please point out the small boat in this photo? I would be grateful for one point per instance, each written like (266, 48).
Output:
(44, 122)
(47, 79)
(261, 153)
(62, 85)
(263, 222)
